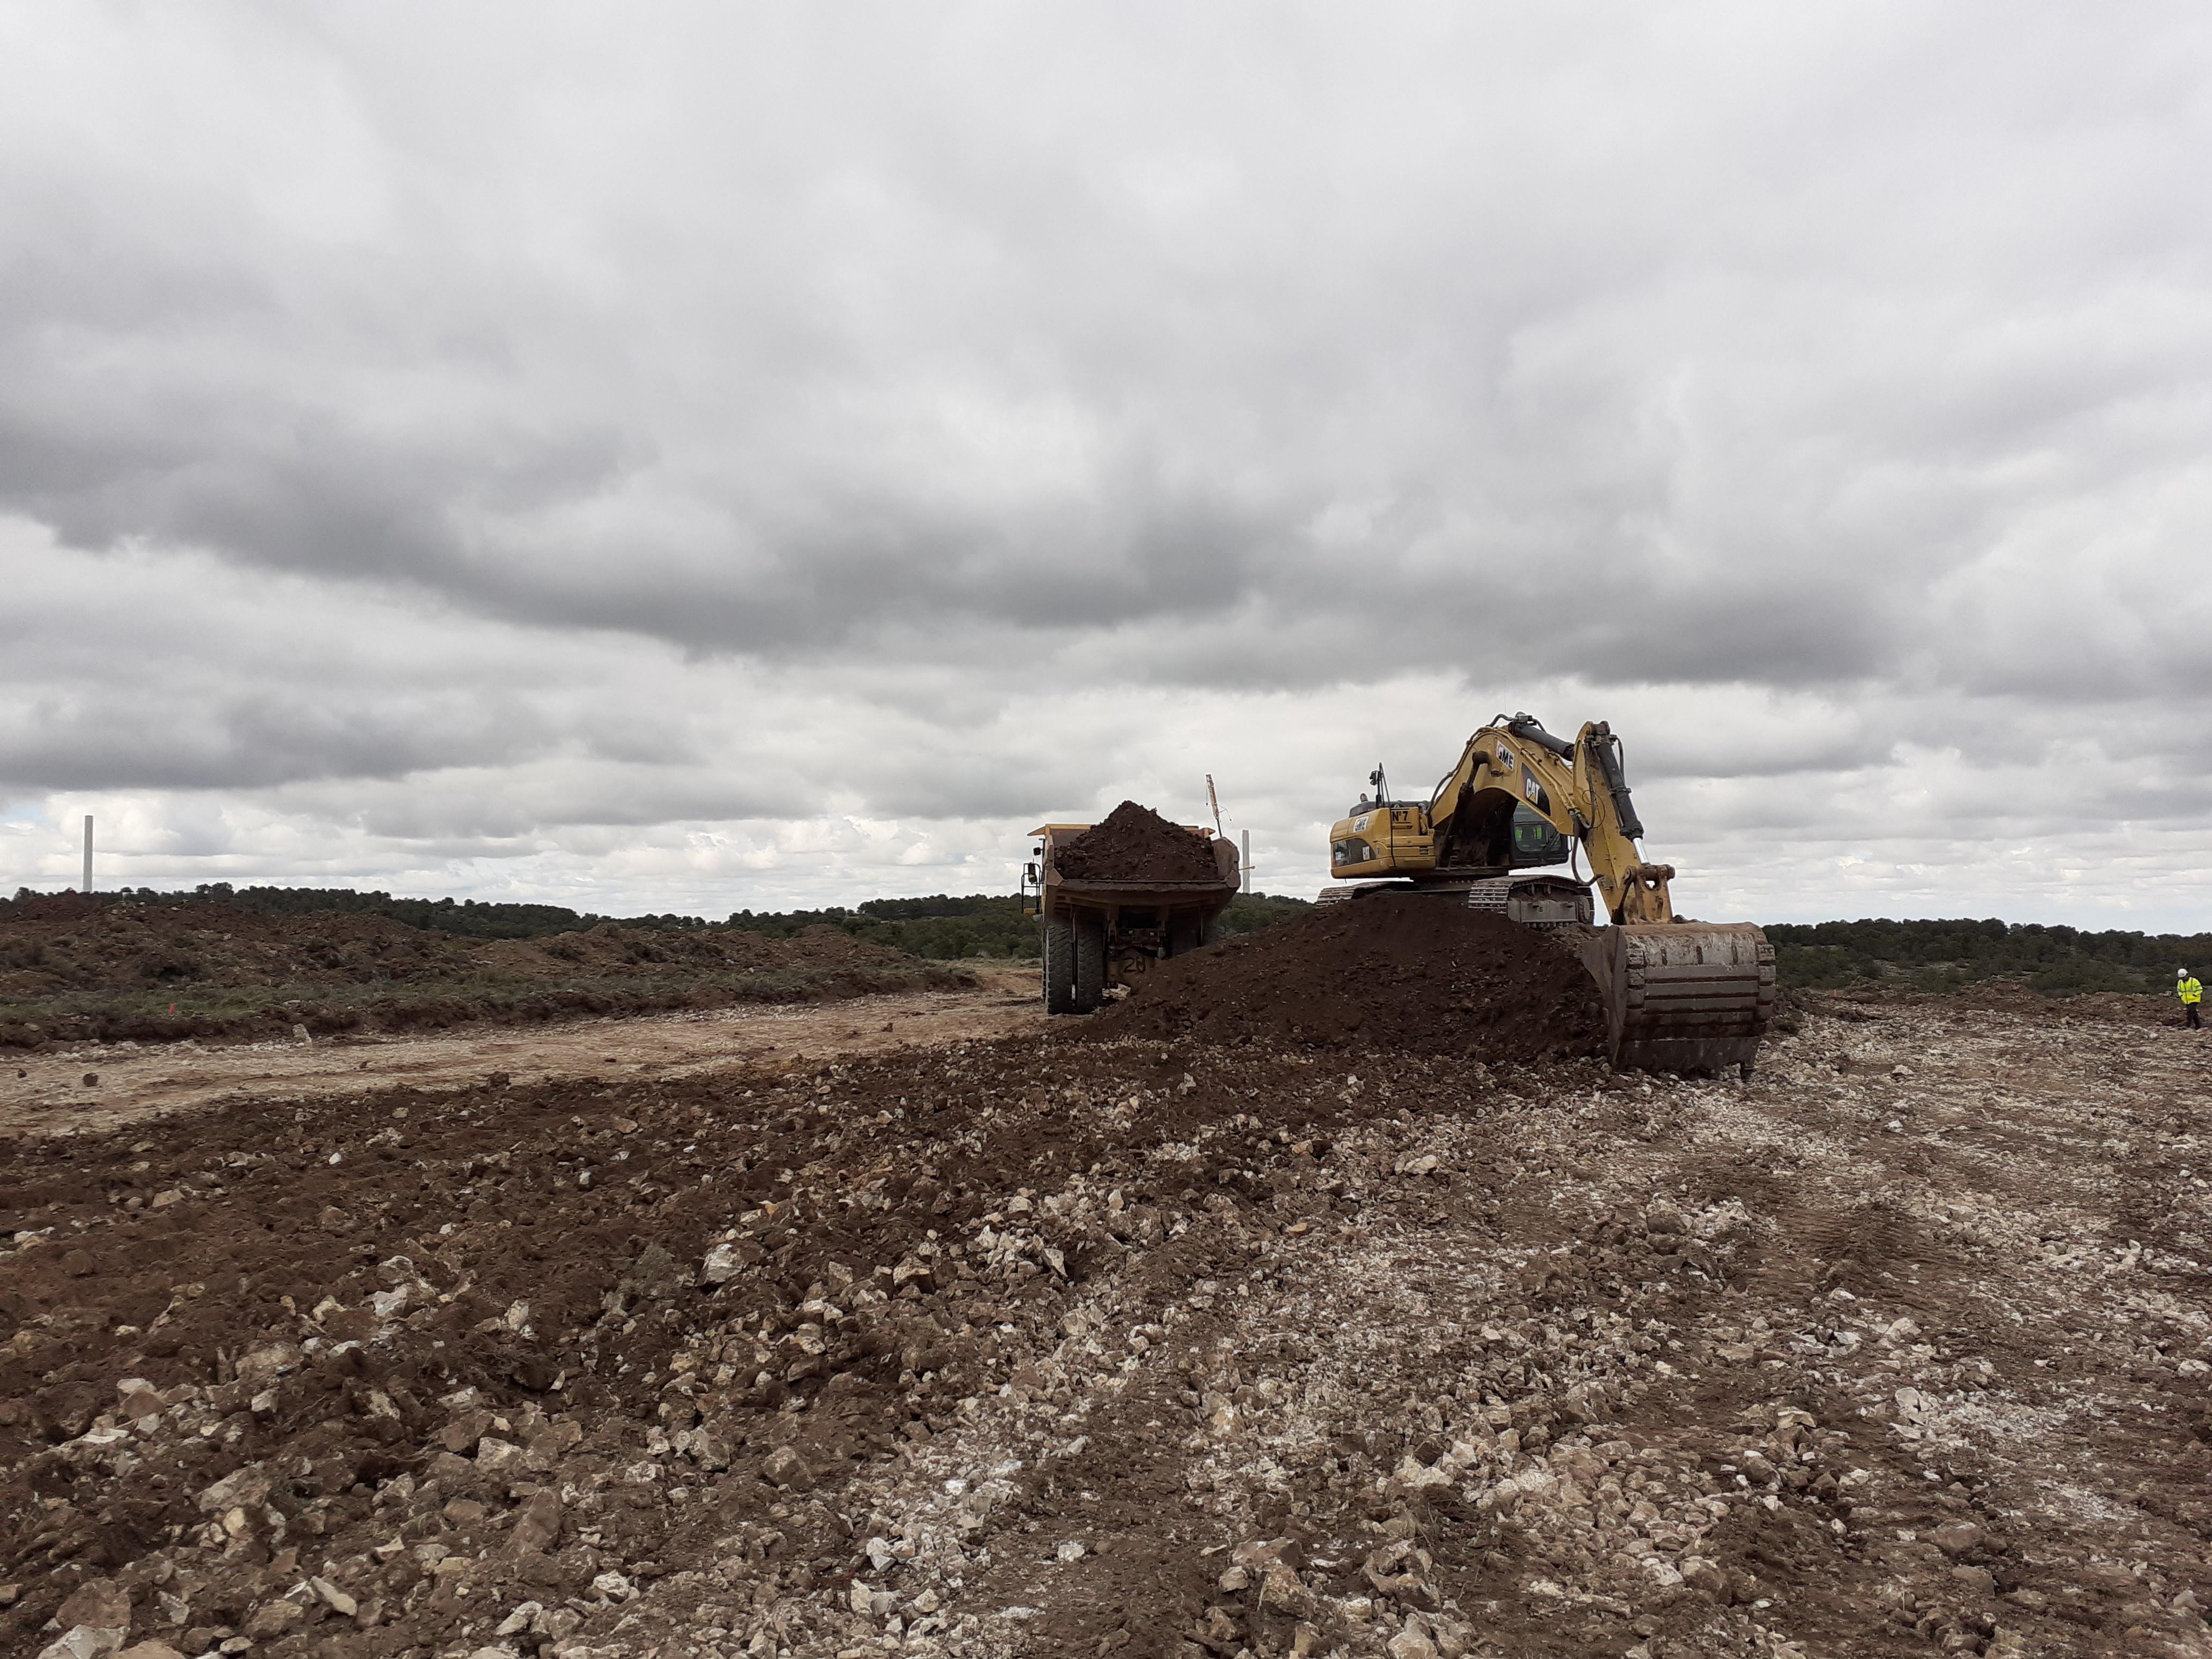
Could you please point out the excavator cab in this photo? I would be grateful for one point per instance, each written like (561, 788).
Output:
(1536, 842)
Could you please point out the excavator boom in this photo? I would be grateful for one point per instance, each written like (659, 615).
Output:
(1679, 995)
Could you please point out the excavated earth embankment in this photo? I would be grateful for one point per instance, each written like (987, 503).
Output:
(1415, 975)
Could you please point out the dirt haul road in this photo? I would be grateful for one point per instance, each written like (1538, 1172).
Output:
(1051, 1345)
(98, 1085)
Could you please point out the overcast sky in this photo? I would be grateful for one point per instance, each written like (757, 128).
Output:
(701, 458)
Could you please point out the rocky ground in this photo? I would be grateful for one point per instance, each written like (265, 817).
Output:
(1043, 1346)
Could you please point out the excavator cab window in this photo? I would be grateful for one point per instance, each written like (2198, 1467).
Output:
(1536, 842)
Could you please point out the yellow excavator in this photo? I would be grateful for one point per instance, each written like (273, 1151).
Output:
(1679, 995)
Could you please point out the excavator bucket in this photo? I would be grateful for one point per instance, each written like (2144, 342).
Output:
(1683, 996)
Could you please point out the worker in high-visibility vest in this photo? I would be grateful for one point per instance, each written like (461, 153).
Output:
(2191, 994)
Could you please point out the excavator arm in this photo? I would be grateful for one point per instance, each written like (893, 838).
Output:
(1679, 996)
(1578, 787)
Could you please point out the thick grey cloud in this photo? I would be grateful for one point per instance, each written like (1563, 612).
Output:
(439, 441)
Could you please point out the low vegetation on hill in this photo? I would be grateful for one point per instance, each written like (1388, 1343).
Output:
(111, 966)
(979, 924)
(1947, 956)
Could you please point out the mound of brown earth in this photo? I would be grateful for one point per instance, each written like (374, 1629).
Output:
(1411, 973)
(1134, 843)
(73, 969)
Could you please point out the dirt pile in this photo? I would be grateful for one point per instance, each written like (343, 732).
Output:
(70, 970)
(1417, 975)
(1134, 843)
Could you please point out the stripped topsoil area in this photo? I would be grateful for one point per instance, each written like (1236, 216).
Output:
(74, 969)
(1134, 843)
(1408, 973)
(1048, 1346)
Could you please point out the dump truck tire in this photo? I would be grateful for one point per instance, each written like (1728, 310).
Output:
(1185, 933)
(1058, 968)
(1090, 964)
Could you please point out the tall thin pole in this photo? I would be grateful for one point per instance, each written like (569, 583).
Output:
(1247, 861)
(86, 888)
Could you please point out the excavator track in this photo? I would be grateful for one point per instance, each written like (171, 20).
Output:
(1545, 904)
(1683, 996)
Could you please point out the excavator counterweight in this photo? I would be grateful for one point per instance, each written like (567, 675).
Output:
(1679, 995)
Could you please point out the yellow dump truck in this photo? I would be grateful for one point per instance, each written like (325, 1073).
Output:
(1116, 897)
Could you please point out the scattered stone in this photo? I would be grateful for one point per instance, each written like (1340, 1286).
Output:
(495, 1456)
(100, 1603)
(244, 1488)
(274, 1619)
(83, 1642)
(1700, 1573)
(525, 1614)
(727, 1260)
(538, 1528)
(1956, 1539)
(784, 1467)
(334, 1598)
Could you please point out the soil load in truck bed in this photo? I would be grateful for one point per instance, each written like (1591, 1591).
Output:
(1134, 843)
(1412, 972)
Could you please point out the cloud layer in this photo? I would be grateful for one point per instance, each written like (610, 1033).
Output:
(692, 459)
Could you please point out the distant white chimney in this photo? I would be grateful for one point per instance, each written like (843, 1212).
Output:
(86, 888)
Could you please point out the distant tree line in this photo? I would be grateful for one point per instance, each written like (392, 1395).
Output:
(978, 925)
(466, 918)
(1931, 956)
(1938, 956)
(943, 926)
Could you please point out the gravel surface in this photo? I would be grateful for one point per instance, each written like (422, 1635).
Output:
(1042, 1346)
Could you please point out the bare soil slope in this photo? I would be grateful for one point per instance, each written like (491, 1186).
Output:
(1048, 1346)
(1410, 974)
